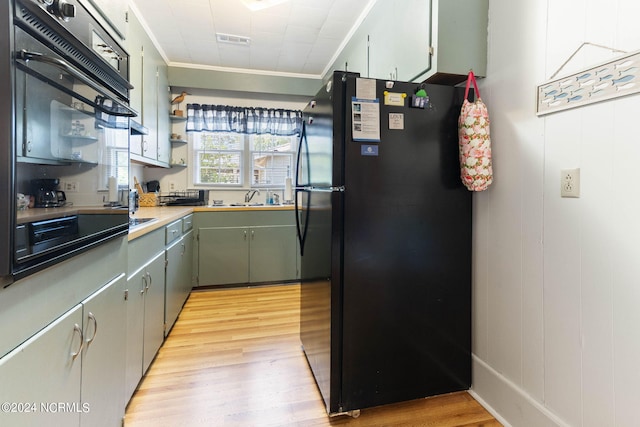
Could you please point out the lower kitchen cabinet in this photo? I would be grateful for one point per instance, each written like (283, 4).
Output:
(179, 257)
(46, 368)
(145, 306)
(68, 373)
(223, 255)
(262, 249)
(103, 355)
(272, 254)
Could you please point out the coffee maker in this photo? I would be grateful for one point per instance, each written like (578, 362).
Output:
(46, 193)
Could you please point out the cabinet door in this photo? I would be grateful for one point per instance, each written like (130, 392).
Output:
(45, 370)
(186, 265)
(163, 111)
(411, 38)
(273, 253)
(223, 255)
(103, 355)
(153, 310)
(173, 295)
(135, 330)
(149, 100)
(115, 11)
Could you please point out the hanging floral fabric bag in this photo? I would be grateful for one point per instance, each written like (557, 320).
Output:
(474, 140)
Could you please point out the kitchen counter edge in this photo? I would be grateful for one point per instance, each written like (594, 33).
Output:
(167, 214)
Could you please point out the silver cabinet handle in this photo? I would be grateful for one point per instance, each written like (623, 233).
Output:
(245, 234)
(184, 248)
(78, 330)
(95, 328)
(149, 282)
(144, 284)
(253, 235)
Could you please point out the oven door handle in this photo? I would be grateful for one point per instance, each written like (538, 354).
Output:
(58, 63)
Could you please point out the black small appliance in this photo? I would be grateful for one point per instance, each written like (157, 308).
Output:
(47, 194)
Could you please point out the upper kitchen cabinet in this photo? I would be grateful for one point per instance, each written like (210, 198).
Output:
(150, 97)
(417, 40)
(113, 13)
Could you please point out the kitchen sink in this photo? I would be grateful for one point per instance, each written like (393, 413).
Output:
(246, 204)
(139, 221)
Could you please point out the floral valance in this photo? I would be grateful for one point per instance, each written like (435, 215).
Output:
(224, 118)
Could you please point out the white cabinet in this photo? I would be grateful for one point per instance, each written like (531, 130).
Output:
(71, 372)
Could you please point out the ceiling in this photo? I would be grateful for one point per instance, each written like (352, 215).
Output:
(299, 37)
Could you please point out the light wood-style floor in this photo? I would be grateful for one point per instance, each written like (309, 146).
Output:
(234, 359)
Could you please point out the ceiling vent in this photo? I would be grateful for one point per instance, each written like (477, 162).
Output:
(230, 38)
(255, 5)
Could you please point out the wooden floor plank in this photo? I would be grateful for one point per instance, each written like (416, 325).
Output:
(233, 358)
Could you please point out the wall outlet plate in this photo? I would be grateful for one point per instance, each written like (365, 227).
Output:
(570, 183)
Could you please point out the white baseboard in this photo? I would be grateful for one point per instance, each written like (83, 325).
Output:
(506, 401)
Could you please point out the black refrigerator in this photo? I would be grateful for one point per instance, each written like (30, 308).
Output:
(384, 226)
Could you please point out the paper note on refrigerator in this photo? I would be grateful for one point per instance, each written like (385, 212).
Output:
(365, 119)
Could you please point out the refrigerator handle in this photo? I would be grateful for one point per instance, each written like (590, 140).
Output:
(299, 231)
(303, 139)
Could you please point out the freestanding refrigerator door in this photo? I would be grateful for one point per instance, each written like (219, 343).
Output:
(407, 257)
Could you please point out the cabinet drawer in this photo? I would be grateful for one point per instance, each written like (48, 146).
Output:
(173, 231)
(187, 223)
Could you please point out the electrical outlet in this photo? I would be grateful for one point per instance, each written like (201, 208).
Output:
(172, 186)
(71, 186)
(570, 183)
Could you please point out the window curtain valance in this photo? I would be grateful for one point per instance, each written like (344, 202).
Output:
(224, 118)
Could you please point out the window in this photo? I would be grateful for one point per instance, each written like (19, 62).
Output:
(272, 159)
(233, 159)
(242, 146)
(218, 158)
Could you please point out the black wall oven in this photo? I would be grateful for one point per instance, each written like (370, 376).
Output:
(64, 119)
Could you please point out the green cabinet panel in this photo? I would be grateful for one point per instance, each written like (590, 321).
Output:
(272, 254)
(145, 318)
(46, 368)
(178, 277)
(223, 255)
(229, 255)
(103, 355)
(77, 360)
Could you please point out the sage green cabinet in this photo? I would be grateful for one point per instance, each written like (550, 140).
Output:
(114, 12)
(145, 306)
(179, 257)
(223, 255)
(103, 355)
(150, 97)
(417, 40)
(46, 368)
(71, 363)
(247, 254)
(163, 108)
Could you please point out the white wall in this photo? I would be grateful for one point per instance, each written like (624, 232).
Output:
(557, 281)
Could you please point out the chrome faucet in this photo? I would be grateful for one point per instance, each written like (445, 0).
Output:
(249, 195)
